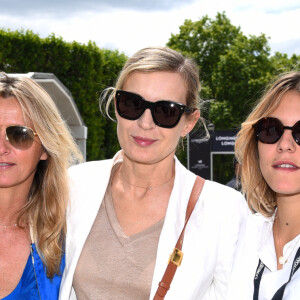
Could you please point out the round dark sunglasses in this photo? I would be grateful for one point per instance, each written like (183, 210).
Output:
(164, 113)
(269, 130)
(20, 137)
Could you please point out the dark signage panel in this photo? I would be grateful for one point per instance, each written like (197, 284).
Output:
(200, 150)
(223, 140)
(199, 157)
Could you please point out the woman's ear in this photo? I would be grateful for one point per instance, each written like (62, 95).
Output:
(191, 121)
(44, 155)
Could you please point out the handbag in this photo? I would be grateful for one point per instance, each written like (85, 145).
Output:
(177, 255)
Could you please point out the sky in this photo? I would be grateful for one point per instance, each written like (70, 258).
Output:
(129, 25)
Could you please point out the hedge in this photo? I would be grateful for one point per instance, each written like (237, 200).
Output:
(84, 69)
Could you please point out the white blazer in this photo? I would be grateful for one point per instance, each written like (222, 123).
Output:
(210, 237)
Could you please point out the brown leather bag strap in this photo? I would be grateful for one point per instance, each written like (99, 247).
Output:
(176, 256)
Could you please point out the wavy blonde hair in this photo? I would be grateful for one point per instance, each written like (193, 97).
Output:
(261, 198)
(49, 193)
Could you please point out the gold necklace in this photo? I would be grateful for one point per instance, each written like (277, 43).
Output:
(150, 188)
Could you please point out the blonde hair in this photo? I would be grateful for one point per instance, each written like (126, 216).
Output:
(49, 193)
(261, 198)
(153, 59)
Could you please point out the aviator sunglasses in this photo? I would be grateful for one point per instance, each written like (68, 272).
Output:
(20, 137)
(164, 113)
(269, 130)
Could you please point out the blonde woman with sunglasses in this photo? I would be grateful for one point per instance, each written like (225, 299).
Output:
(35, 150)
(268, 150)
(127, 213)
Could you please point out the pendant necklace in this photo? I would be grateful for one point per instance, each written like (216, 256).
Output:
(281, 259)
(150, 188)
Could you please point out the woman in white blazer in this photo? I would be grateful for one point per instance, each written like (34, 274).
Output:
(127, 213)
(268, 149)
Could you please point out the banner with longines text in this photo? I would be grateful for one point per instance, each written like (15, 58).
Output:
(200, 149)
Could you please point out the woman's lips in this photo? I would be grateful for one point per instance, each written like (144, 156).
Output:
(285, 166)
(4, 165)
(141, 141)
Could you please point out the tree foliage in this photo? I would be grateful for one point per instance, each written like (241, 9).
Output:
(84, 69)
(234, 68)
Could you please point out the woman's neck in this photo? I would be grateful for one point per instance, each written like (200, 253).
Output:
(147, 176)
(286, 225)
(11, 203)
(288, 212)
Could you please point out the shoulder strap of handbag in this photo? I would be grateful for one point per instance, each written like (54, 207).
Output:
(176, 256)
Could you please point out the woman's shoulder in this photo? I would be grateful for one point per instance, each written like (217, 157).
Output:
(90, 170)
(257, 230)
(259, 222)
(86, 177)
(222, 194)
(221, 188)
(89, 166)
(214, 196)
(97, 167)
(224, 203)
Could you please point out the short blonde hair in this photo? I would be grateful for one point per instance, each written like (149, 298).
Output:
(261, 198)
(49, 194)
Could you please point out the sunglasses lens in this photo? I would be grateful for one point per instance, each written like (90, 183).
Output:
(296, 132)
(129, 105)
(166, 114)
(269, 130)
(20, 137)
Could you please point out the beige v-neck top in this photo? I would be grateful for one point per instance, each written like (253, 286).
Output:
(113, 265)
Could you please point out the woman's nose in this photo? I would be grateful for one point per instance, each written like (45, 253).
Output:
(286, 142)
(145, 121)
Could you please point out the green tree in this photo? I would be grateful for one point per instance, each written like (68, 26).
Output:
(239, 77)
(205, 41)
(283, 63)
(233, 67)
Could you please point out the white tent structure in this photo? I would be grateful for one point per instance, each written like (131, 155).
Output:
(65, 103)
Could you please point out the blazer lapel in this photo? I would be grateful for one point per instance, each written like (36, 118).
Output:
(88, 183)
